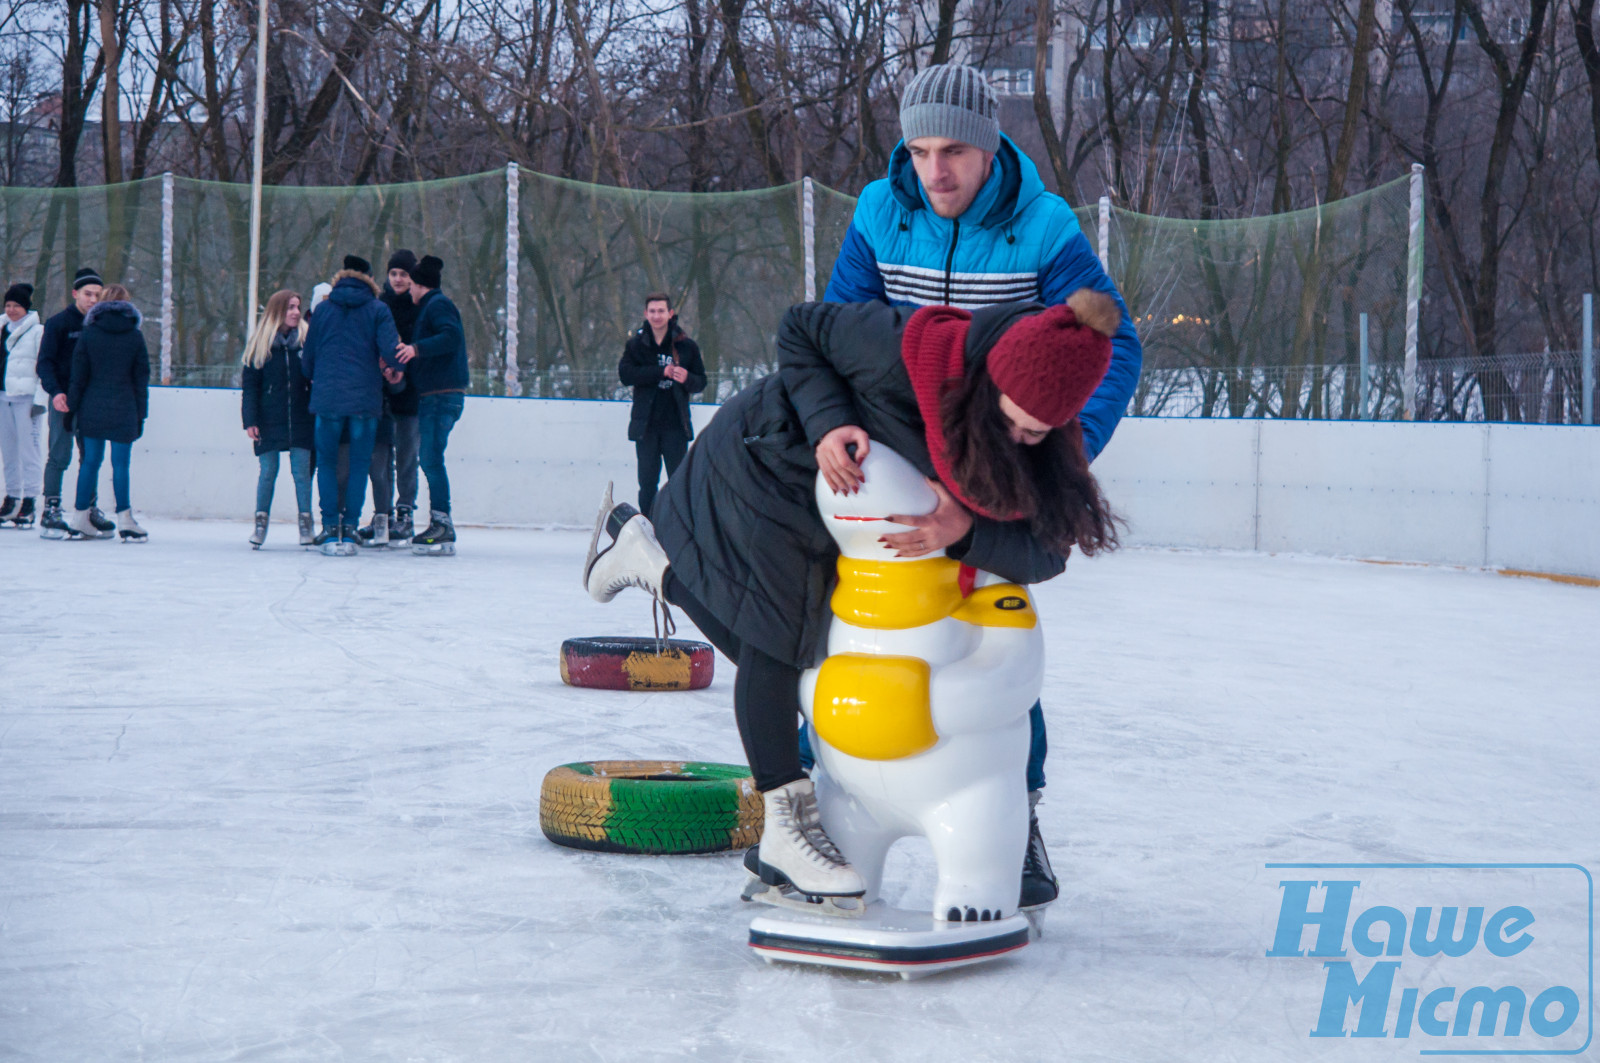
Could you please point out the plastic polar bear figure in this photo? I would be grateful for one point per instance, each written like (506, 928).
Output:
(919, 712)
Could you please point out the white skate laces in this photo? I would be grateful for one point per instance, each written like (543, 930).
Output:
(794, 843)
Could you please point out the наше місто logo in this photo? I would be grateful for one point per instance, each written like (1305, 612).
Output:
(1457, 959)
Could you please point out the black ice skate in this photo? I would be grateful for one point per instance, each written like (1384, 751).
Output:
(129, 528)
(376, 533)
(332, 544)
(8, 508)
(1039, 885)
(259, 535)
(24, 517)
(401, 528)
(53, 524)
(101, 524)
(439, 540)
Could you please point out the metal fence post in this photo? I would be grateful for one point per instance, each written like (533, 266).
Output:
(1104, 242)
(513, 252)
(167, 322)
(1588, 358)
(808, 221)
(1361, 383)
(1408, 385)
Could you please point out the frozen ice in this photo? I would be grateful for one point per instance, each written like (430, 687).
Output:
(277, 806)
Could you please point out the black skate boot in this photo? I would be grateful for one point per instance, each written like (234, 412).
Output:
(259, 535)
(376, 533)
(53, 524)
(337, 540)
(101, 523)
(439, 540)
(24, 517)
(8, 508)
(308, 531)
(1039, 885)
(401, 528)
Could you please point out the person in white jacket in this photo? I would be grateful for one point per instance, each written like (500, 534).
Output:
(22, 406)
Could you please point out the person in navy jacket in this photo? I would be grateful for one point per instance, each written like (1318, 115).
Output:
(351, 339)
(436, 361)
(963, 219)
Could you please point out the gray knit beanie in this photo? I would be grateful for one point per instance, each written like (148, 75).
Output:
(951, 101)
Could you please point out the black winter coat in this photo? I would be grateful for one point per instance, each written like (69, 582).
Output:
(351, 332)
(61, 332)
(739, 518)
(402, 403)
(110, 391)
(441, 361)
(641, 369)
(277, 399)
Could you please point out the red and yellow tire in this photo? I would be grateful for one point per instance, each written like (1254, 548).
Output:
(636, 664)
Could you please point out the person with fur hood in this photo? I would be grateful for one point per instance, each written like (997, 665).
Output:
(22, 404)
(351, 339)
(109, 399)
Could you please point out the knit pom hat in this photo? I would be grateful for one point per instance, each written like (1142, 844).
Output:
(86, 276)
(21, 294)
(951, 101)
(357, 263)
(429, 272)
(404, 259)
(1049, 364)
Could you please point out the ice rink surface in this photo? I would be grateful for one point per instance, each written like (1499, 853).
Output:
(276, 806)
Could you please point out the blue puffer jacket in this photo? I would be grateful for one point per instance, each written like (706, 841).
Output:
(350, 332)
(1017, 242)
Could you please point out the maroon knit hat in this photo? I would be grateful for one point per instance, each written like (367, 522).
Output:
(1050, 363)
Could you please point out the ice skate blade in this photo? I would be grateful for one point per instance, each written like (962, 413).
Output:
(52, 533)
(142, 539)
(786, 896)
(885, 939)
(1035, 918)
(434, 550)
(594, 539)
(338, 549)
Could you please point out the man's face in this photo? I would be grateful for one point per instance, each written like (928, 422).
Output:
(658, 313)
(399, 281)
(418, 291)
(952, 173)
(14, 311)
(86, 297)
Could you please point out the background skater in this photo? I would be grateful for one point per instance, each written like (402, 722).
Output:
(663, 367)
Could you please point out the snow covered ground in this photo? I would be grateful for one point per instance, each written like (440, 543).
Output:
(275, 806)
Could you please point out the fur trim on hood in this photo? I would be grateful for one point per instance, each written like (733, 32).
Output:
(368, 281)
(114, 306)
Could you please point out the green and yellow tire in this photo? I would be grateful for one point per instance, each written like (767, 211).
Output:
(650, 806)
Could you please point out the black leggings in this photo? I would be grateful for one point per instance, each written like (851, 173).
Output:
(766, 696)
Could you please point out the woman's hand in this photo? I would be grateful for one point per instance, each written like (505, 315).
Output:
(947, 524)
(254, 433)
(838, 468)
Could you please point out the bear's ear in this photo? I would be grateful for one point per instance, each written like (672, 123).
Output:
(1097, 310)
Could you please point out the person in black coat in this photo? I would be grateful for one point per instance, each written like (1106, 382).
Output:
(436, 362)
(663, 367)
(109, 398)
(984, 404)
(276, 409)
(61, 332)
(395, 452)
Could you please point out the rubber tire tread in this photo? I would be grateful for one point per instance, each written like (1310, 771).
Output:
(628, 807)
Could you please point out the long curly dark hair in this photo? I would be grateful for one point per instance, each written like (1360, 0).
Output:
(1048, 483)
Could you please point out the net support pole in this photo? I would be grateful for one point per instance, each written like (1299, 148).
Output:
(167, 322)
(1366, 364)
(1104, 241)
(1588, 358)
(808, 224)
(513, 252)
(1408, 382)
(257, 154)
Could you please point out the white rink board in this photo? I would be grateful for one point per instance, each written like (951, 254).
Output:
(1512, 496)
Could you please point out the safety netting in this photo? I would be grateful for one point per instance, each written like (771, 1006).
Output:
(1242, 318)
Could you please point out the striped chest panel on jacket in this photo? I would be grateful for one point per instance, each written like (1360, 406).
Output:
(966, 290)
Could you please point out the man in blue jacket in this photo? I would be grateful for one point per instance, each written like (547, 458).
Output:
(436, 361)
(964, 220)
(352, 337)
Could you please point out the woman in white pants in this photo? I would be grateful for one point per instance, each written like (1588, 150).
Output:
(22, 406)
